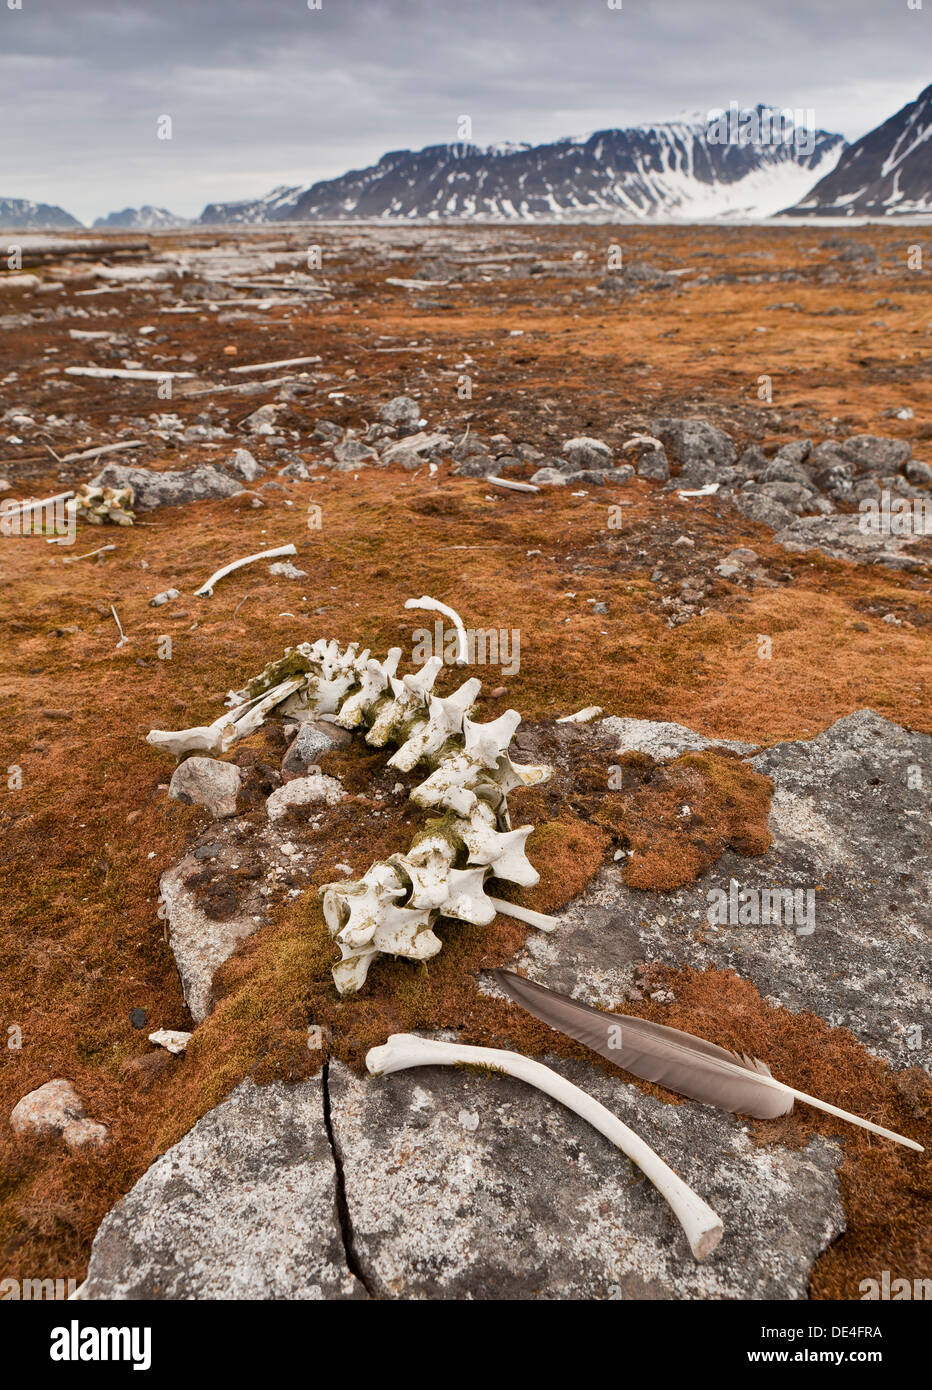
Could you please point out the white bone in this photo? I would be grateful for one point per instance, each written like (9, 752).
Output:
(445, 720)
(207, 589)
(701, 1225)
(375, 681)
(410, 697)
(432, 605)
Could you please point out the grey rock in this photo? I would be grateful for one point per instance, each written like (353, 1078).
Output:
(313, 739)
(284, 569)
(918, 472)
(326, 432)
(242, 463)
(207, 782)
(354, 451)
(653, 464)
(795, 496)
(549, 477)
(201, 943)
(314, 788)
(476, 466)
(478, 1187)
(295, 470)
(172, 488)
(752, 462)
(783, 470)
(243, 1207)
(848, 823)
(835, 479)
(166, 596)
(796, 451)
(695, 441)
(875, 453)
(402, 411)
(757, 506)
(418, 449)
(583, 452)
(842, 538)
(662, 740)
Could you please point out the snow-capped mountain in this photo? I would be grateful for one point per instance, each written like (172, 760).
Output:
(885, 173)
(19, 214)
(144, 219)
(685, 169)
(274, 207)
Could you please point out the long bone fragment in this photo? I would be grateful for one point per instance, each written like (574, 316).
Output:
(207, 589)
(701, 1225)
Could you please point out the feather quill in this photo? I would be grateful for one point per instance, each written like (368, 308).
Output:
(681, 1062)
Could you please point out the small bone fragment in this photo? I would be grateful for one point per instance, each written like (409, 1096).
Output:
(126, 374)
(513, 484)
(701, 1225)
(123, 637)
(268, 366)
(171, 1039)
(525, 914)
(582, 716)
(206, 590)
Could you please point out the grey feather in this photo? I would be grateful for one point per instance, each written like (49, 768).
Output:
(681, 1062)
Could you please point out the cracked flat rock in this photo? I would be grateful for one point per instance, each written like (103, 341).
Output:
(841, 538)
(850, 822)
(461, 1186)
(244, 1207)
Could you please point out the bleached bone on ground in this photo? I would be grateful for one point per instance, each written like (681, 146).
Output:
(512, 484)
(701, 1225)
(220, 736)
(432, 605)
(393, 908)
(207, 589)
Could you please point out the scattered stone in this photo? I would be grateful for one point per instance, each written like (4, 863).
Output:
(695, 441)
(242, 463)
(875, 453)
(653, 464)
(662, 740)
(56, 1108)
(262, 421)
(549, 477)
(302, 791)
(284, 569)
(313, 739)
(165, 597)
(353, 453)
(401, 411)
(207, 782)
(418, 449)
(584, 452)
(756, 506)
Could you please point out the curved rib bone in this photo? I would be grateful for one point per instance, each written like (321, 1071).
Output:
(701, 1225)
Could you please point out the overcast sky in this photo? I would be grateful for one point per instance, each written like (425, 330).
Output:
(264, 92)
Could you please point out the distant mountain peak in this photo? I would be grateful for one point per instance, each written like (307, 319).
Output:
(887, 173)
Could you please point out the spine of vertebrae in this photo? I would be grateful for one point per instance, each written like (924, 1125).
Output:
(396, 904)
